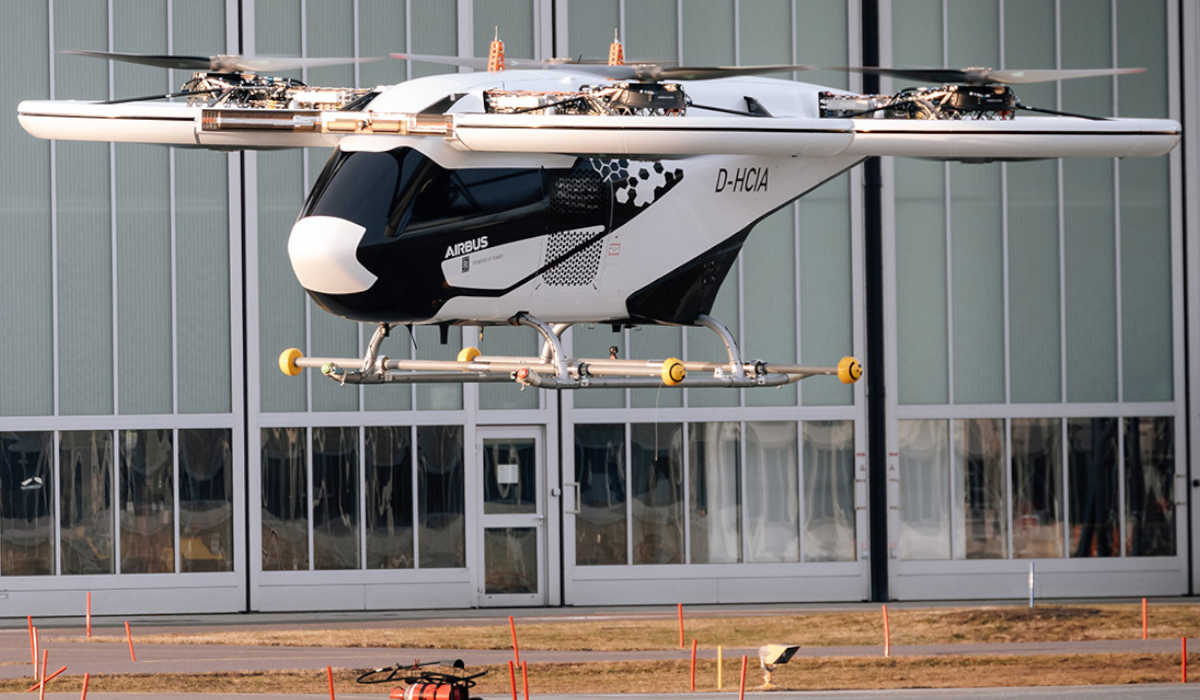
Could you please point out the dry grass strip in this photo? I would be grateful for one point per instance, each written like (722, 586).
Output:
(672, 676)
(909, 626)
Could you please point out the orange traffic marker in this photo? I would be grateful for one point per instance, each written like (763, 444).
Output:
(88, 615)
(49, 678)
(1145, 626)
(329, 673)
(512, 679)
(512, 627)
(42, 678)
(692, 685)
(525, 679)
(679, 610)
(887, 634)
(83, 692)
(129, 640)
(742, 684)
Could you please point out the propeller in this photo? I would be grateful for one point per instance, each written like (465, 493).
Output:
(644, 72)
(222, 63)
(987, 76)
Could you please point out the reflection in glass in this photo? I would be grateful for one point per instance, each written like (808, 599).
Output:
(656, 482)
(1095, 530)
(86, 473)
(335, 498)
(284, 499)
(981, 523)
(389, 498)
(829, 523)
(924, 489)
(772, 493)
(26, 506)
(440, 497)
(147, 502)
(714, 458)
(510, 560)
(600, 472)
(205, 500)
(1149, 487)
(509, 476)
(1037, 485)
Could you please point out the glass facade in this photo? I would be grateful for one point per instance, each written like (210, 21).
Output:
(1035, 310)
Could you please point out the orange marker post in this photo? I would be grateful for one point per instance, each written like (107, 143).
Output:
(887, 634)
(32, 644)
(1183, 660)
(83, 692)
(512, 679)
(512, 627)
(742, 683)
(693, 680)
(49, 678)
(1145, 626)
(35, 652)
(88, 615)
(42, 678)
(329, 674)
(679, 609)
(525, 680)
(129, 640)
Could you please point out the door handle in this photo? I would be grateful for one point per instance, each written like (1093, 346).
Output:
(574, 485)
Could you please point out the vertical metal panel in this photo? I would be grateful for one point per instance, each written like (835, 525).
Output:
(589, 28)
(383, 28)
(143, 225)
(650, 30)
(26, 291)
(437, 34)
(770, 302)
(504, 340)
(706, 38)
(515, 21)
(85, 314)
(1089, 247)
(826, 311)
(1145, 211)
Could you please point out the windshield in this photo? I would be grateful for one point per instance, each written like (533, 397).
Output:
(403, 191)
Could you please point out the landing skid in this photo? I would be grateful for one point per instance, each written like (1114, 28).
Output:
(554, 370)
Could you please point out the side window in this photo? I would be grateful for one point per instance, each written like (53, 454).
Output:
(447, 195)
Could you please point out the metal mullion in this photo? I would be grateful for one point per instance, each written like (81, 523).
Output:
(362, 483)
(308, 344)
(408, 38)
(947, 223)
(112, 247)
(1116, 195)
(1062, 235)
(951, 491)
(308, 465)
(55, 508)
(1122, 525)
(355, 20)
(171, 256)
(175, 497)
(743, 518)
(416, 514)
(687, 515)
(54, 345)
(620, 17)
(800, 505)
(628, 496)
(1008, 496)
(629, 354)
(116, 515)
(1066, 486)
(359, 328)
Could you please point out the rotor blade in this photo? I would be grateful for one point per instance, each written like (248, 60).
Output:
(1055, 112)
(221, 62)
(1015, 77)
(986, 76)
(711, 72)
(147, 59)
(147, 98)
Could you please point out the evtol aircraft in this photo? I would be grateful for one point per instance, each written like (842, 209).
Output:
(548, 193)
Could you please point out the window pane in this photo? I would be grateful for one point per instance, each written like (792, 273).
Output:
(1036, 488)
(510, 476)
(205, 500)
(981, 520)
(147, 502)
(284, 499)
(829, 523)
(389, 498)
(510, 560)
(440, 493)
(1095, 530)
(520, 342)
(924, 489)
(600, 472)
(772, 492)
(335, 498)
(656, 481)
(921, 329)
(1149, 487)
(26, 511)
(86, 530)
(714, 458)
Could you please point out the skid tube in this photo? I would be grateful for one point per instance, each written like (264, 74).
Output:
(553, 370)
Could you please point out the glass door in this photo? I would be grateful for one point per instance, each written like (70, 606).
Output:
(512, 517)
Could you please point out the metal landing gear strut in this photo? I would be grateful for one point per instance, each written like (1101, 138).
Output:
(552, 369)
